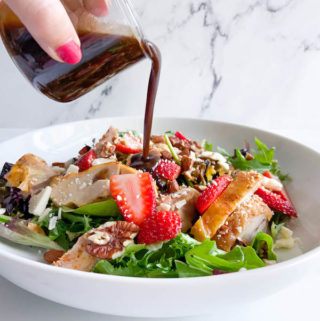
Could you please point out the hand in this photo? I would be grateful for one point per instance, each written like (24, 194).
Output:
(50, 25)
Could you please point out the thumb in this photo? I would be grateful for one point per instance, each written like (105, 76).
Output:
(49, 24)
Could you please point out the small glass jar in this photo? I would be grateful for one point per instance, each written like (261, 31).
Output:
(109, 45)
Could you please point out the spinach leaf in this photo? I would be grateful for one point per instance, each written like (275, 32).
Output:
(105, 208)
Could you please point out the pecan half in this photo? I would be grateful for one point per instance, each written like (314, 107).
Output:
(110, 239)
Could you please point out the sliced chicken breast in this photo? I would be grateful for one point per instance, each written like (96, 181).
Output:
(92, 185)
(239, 190)
(181, 202)
(244, 223)
(77, 258)
(30, 173)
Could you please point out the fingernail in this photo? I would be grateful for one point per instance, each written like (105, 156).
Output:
(70, 52)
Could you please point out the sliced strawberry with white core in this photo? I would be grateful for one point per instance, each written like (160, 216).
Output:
(134, 195)
(167, 169)
(129, 144)
(277, 202)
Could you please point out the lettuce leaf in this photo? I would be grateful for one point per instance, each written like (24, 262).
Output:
(208, 257)
(17, 231)
(140, 260)
(181, 257)
(263, 244)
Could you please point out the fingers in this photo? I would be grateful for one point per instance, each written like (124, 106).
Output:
(49, 23)
(99, 8)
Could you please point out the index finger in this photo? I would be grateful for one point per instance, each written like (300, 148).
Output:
(99, 8)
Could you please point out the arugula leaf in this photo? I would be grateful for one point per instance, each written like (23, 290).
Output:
(181, 257)
(263, 244)
(208, 146)
(140, 260)
(17, 231)
(105, 208)
(263, 160)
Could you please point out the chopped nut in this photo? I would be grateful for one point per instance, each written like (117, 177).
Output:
(249, 156)
(36, 228)
(57, 164)
(110, 239)
(172, 186)
(186, 163)
(158, 139)
(166, 155)
(52, 256)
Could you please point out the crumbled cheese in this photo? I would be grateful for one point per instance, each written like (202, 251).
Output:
(286, 232)
(286, 240)
(180, 204)
(2, 211)
(38, 202)
(164, 207)
(99, 161)
(44, 214)
(284, 243)
(72, 169)
(52, 223)
(269, 262)
(59, 170)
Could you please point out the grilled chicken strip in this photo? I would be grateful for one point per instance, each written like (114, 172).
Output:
(181, 202)
(30, 173)
(92, 185)
(239, 190)
(77, 258)
(244, 223)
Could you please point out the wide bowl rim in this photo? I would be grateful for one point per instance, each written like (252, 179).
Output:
(298, 260)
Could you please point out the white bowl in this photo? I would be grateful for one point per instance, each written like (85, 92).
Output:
(142, 297)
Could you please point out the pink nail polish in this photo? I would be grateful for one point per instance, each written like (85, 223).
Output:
(70, 52)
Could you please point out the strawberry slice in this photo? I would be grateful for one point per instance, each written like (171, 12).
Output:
(134, 195)
(160, 226)
(212, 192)
(276, 202)
(85, 161)
(129, 144)
(180, 136)
(167, 169)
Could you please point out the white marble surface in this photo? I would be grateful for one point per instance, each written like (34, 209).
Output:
(255, 62)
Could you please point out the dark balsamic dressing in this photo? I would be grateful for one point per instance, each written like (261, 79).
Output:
(104, 55)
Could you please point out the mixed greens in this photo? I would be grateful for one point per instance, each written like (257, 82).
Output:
(187, 168)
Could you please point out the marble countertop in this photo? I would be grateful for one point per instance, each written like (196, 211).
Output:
(254, 62)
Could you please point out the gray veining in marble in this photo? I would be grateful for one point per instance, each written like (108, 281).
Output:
(254, 62)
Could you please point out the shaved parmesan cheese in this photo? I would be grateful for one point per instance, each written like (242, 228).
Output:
(52, 223)
(72, 169)
(39, 202)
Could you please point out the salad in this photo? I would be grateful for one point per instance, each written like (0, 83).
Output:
(186, 211)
